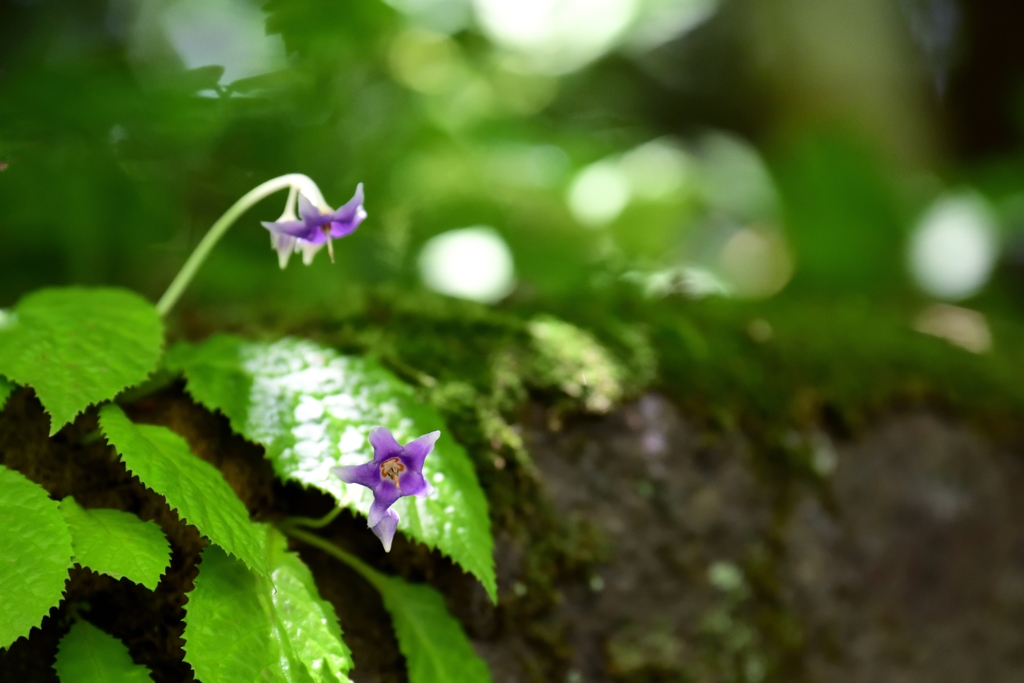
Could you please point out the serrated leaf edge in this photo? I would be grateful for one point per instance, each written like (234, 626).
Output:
(162, 574)
(492, 591)
(174, 509)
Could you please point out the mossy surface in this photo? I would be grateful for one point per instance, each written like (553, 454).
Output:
(767, 389)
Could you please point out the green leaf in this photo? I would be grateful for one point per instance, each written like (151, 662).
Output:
(196, 489)
(78, 346)
(6, 389)
(117, 543)
(312, 409)
(433, 643)
(240, 626)
(88, 655)
(35, 555)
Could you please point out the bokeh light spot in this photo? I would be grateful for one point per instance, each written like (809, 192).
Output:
(755, 262)
(555, 36)
(599, 193)
(656, 169)
(954, 247)
(470, 263)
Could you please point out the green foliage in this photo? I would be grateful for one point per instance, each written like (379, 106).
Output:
(35, 555)
(843, 218)
(196, 489)
(312, 408)
(305, 630)
(240, 626)
(433, 643)
(227, 634)
(117, 543)
(88, 655)
(78, 346)
(6, 389)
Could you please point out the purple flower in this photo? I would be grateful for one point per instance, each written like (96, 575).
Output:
(395, 471)
(314, 227)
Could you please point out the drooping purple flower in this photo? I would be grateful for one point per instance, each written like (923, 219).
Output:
(395, 471)
(314, 227)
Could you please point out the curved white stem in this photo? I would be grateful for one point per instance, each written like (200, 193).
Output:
(293, 181)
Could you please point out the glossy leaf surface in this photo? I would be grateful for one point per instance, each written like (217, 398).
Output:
(240, 626)
(312, 408)
(76, 346)
(163, 462)
(35, 555)
(88, 655)
(117, 543)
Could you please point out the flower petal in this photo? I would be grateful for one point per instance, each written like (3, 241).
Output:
(367, 474)
(384, 444)
(384, 496)
(310, 214)
(415, 484)
(417, 450)
(351, 209)
(293, 228)
(385, 529)
(284, 244)
(309, 249)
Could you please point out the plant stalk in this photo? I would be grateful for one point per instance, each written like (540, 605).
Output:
(294, 181)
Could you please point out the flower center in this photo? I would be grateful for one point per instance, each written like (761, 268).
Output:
(390, 469)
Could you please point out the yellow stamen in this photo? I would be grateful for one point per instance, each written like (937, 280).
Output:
(390, 469)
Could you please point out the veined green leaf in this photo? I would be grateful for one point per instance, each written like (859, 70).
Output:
(433, 643)
(163, 461)
(240, 626)
(88, 655)
(6, 389)
(35, 555)
(117, 543)
(78, 346)
(312, 409)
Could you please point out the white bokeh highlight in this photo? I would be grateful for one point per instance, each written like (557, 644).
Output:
(555, 36)
(470, 263)
(599, 193)
(954, 247)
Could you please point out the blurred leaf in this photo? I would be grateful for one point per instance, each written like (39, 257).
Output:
(841, 217)
(195, 80)
(194, 488)
(312, 410)
(6, 389)
(35, 555)
(240, 626)
(78, 346)
(275, 81)
(117, 543)
(88, 655)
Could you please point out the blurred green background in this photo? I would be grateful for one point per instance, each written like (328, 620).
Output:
(723, 149)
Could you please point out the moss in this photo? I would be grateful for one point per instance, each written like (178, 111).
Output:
(787, 373)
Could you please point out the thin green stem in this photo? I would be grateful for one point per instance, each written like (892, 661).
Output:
(351, 560)
(313, 522)
(294, 181)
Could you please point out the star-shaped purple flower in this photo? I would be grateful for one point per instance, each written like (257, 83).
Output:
(315, 227)
(395, 471)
